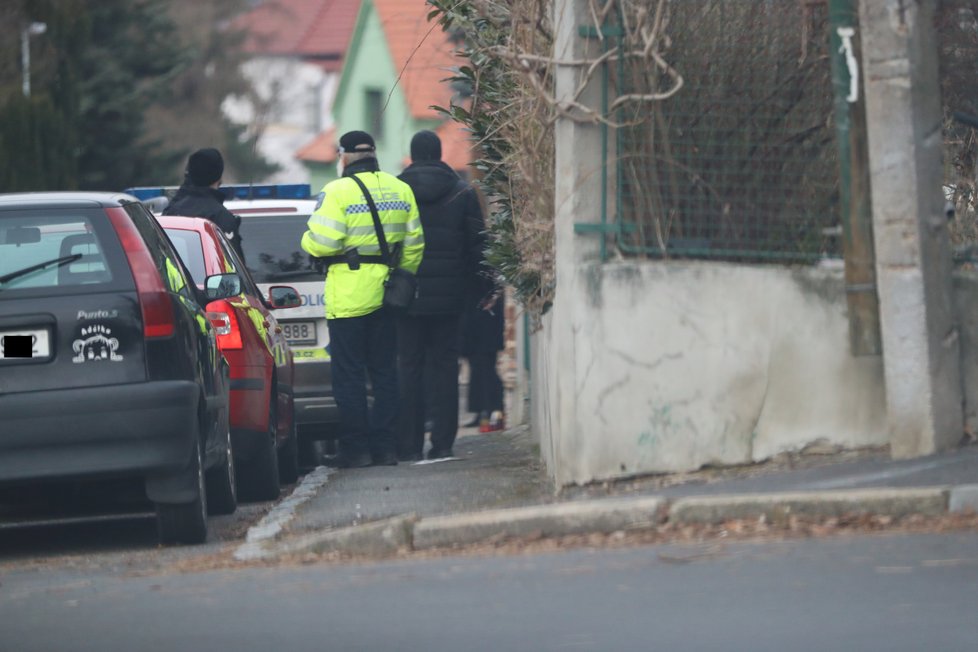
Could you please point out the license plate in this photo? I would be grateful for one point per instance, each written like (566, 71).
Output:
(300, 332)
(24, 344)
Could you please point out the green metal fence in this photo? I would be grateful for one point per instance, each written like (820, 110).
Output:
(742, 163)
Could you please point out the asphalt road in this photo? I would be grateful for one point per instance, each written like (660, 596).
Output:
(881, 592)
(103, 530)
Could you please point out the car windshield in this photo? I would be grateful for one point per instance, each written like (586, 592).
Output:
(272, 251)
(62, 250)
(190, 249)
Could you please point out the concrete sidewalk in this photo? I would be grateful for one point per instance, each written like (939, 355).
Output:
(496, 490)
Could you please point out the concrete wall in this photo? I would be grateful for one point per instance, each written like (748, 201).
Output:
(682, 364)
(646, 367)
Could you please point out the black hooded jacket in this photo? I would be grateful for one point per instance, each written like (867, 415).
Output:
(207, 202)
(451, 217)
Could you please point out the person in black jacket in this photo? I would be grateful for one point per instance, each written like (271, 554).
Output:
(428, 335)
(199, 195)
(483, 337)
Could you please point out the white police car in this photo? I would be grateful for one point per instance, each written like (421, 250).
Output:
(273, 219)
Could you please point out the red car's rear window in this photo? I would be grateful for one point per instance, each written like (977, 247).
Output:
(191, 251)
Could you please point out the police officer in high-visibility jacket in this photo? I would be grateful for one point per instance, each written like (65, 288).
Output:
(361, 331)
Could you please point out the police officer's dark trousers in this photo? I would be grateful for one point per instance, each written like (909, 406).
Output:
(362, 347)
(427, 344)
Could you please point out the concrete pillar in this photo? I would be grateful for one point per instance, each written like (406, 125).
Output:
(913, 265)
(578, 200)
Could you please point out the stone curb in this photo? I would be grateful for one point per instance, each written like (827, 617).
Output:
(375, 539)
(558, 519)
(608, 515)
(963, 498)
(821, 504)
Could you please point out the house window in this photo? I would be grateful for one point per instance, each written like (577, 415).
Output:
(375, 113)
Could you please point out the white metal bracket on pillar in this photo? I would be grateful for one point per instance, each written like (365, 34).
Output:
(846, 34)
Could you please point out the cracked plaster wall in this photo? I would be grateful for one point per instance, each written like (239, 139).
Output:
(673, 366)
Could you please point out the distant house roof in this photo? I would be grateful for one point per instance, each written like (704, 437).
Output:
(322, 148)
(424, 57)
(422, 50)
(315, 30)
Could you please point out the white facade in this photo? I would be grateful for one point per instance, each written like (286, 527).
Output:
(291, 104)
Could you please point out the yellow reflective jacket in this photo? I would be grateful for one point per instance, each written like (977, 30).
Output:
(342, 221)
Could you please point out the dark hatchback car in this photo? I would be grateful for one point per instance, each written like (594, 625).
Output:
(108, 364)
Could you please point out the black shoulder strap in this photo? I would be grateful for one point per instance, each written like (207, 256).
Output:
(378, 227)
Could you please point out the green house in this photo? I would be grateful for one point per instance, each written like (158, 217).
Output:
(393, 73)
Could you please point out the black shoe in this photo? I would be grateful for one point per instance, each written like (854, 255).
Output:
(439, 454)
(348, 461)
(385, 459)
(409, 457)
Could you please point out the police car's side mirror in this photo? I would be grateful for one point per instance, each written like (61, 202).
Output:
(222, 286)
(283, 296)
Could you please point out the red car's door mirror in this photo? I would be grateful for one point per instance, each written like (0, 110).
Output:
(222, 286)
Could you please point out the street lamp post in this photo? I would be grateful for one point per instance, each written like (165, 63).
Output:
(25, 51)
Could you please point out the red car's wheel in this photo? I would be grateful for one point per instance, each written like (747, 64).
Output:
(259, 475)
(288, 455)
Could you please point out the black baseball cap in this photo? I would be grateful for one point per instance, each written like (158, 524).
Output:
(357, 141)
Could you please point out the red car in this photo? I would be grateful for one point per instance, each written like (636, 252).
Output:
(262, 406)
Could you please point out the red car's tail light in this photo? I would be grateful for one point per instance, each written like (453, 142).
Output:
(154, 300)
(220, 321)
(222, 318)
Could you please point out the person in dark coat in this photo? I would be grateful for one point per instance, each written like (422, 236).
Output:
(428, 335)
(483, 325)
(199, 195)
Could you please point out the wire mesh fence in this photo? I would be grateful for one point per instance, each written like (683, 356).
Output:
(741, 164)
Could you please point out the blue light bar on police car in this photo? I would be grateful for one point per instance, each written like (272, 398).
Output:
(233, 191)
(142, 194)
(271, 191)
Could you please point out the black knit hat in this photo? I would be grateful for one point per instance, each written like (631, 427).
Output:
(426, 146)
(357, 141)
(205, 166)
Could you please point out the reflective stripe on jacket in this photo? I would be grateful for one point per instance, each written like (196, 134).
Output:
(343, 222)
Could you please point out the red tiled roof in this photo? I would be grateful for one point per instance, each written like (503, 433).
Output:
(321, 149)
(422, 50)
(312, 29)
